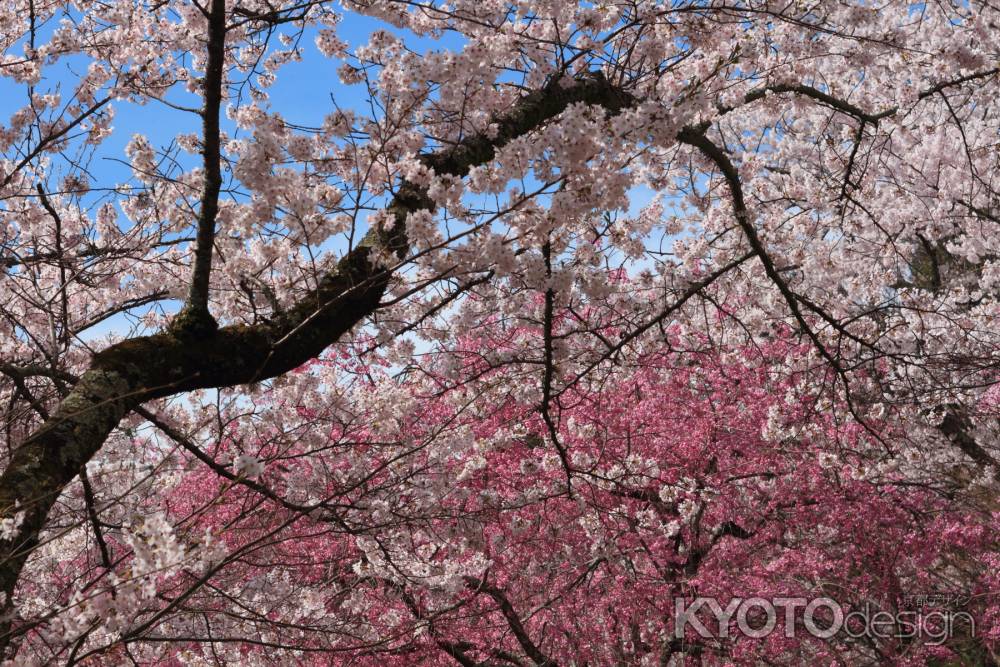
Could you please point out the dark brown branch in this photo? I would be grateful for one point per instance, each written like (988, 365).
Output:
(956, 427)
(17, 377)
(851, 109)
(513, 620)
(90, 252)
(63, 295)
(195, 317)
(457, 651)
(697, 139)
(550, 370)
(818, 95)
(91, 502)
(134, 371)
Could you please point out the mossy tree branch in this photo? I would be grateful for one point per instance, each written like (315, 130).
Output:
(125, 375)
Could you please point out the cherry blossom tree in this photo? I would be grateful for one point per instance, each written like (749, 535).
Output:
(419, 382)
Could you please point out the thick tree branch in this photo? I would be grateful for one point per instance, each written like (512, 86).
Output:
(195, 318)
(956, 428)
(141, 369)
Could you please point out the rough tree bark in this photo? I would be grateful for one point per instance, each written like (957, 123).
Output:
(122, 377)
